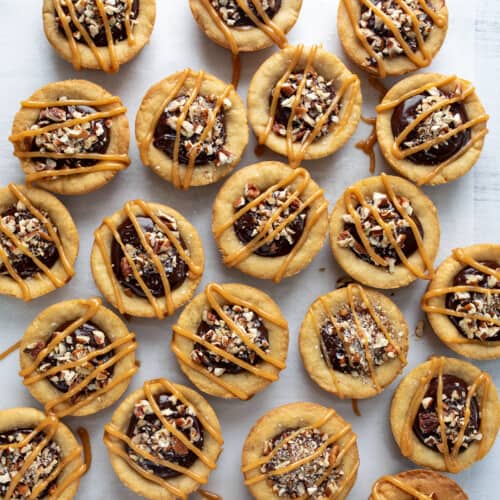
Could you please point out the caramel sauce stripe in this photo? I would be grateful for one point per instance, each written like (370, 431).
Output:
(128, 24)
(76, 58)
(400, 485)
(109, 36)
(25, 291)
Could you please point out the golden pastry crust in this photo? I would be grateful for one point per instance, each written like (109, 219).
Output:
(264, 175)
(247, 39)
(441, 324)
(376, 276)
(124, 50)
(39, 284)
(393, 66)
(418, 173)
(295, 416)
(236, 127)
(119, 138)
(426, 482)
(60, 314)
(342, 384)
(326, 65)
(486, 396)
(133, 304)
(135, 481)
(245, 381)
(22, 418)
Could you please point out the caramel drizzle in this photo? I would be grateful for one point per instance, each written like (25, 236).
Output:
(49, 427)
(114, 436)
(107, 162)
(422, 58)
(355, 192)
(265, 24)
(52, 236)
(185, 182)
(400, 485)
(10, 350)
(319, 451)
(266, 233)
(460, 256)
(352, 289)
(296, 153)
(208, 495)
(401, 154)
(368, 145)
(194, 269)
(211, 291)
(450, 457)
(126, 344)
(113, 65)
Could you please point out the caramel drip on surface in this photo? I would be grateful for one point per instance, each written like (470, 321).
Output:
(10, 350)
(208, 495)
(211, 291)
(115, 440)
(400, 485)
(129, 209)
(126, 344)
(303, 177)
(52, 236)
(367, 145)
(460, 256)
(450, 457)
(49, 427)
(354, 192)
(355, 407)
(377, 85)
(297, 153)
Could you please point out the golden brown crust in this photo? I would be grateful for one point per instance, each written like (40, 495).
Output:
(375, 276)
(137, 483)
(344, 384)
(73, 89)
(57, 315)
(39, 284)
(236, 127)
(325, 64)
(418, 173)
(245, 381)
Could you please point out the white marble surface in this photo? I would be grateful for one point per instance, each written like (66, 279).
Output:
(467, 211)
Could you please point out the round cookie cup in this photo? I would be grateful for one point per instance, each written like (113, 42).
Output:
(124, 50)
(441, 324)
(293, 416)
(379, 277)
(135, 481)
(135, 305)
(325, 64)
(418, 173)
(265, 175)
(23, 418)
(426, 482)
(404, 395)
(39, 284)
(58, 315)
(329, 379)
(119, 137)
(245, 381)
(235, 124)
(247, 39)
(394, 66)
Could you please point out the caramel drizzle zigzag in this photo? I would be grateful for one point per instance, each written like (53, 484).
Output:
(449, 456)
(400, 485)
(460, 256)
(401, 154)
(296, 154)
(107, 162)
(210, 291)
(126, 344)
(267, 233)
(145, 209)
(354, 192)
(113, 436)
(420, 60)
(48, 427)
(52, 236)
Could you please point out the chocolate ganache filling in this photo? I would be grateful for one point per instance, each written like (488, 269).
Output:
(148, 433)
(235, 17)
(174, 266)
(475, 303)
(439, 123)
(426, 424)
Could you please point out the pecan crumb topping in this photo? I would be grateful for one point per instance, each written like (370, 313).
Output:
(234, 16)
